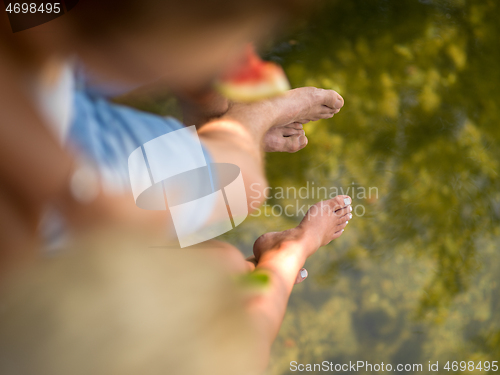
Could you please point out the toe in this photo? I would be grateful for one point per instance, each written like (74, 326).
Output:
(339, 221)
(332, 100)
(339, 227)
(343, 211)
(339, 102)
(340, 202)
(326, 116)
(301, 276)
(345, 218)
(295, 125)
(338, 234)
(288, 132)
(295, 143)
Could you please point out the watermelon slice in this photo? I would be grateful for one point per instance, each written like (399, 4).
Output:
(253, 79)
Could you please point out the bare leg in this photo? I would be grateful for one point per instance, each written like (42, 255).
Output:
(282, 255)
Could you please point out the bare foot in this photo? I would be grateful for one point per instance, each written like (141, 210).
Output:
(285, 138)
(324, 222)
(283, 115)
(307, 104)
(298, 107)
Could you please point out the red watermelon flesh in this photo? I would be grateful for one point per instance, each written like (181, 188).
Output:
(253, 79)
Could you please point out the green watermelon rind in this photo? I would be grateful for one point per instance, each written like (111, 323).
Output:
(249, 92)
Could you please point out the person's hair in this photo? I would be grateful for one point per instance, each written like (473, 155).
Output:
(118, 309)
(98, 17)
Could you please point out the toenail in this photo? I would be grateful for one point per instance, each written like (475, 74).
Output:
(342, 231)
(350, 208)
(347, 222)
(303, 273)
(339, 103)
(350, 216)
(347, 201)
